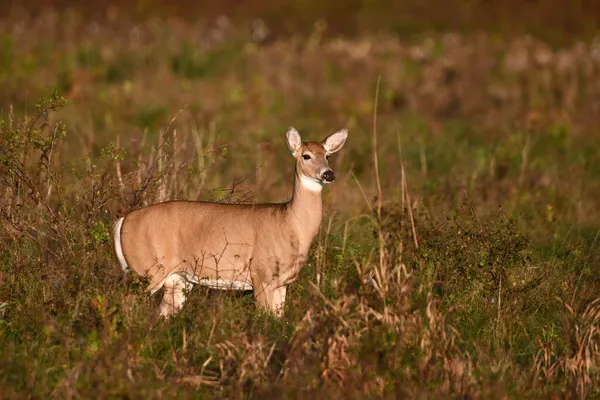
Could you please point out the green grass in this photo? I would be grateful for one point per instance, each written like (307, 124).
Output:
(501, 163)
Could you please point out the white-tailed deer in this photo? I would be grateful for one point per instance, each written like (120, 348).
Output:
(260, 247)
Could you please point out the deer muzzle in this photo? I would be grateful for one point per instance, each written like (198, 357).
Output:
(328, 176)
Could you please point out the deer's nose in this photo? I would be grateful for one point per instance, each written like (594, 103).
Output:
(328, 176)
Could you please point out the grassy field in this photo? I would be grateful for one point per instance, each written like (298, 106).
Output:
(459, 251)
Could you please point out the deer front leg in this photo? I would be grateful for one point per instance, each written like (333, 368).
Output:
(278, 301)
(272, 298)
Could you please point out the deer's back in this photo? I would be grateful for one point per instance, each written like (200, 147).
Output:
(209, 240)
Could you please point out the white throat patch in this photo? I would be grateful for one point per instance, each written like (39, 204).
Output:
(311, 184)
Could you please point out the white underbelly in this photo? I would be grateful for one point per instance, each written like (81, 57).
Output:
(224, 284)
(220, 284)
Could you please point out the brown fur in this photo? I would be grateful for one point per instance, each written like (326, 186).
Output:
(264, 245)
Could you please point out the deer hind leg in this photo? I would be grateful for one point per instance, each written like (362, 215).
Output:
(272, 298)
(176, 288)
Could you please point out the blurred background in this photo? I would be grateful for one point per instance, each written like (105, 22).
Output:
(555, 20)
(477, 74)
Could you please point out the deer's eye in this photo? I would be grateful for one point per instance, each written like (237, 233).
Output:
(306, 156)
(327, 157)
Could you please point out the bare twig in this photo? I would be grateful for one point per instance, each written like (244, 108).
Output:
(406, 195)
(118, 170)
(375, 157)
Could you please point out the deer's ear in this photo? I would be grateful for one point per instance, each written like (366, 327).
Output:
(335, 141)
(293, 139)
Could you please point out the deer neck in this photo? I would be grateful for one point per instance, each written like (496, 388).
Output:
(306, 209)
